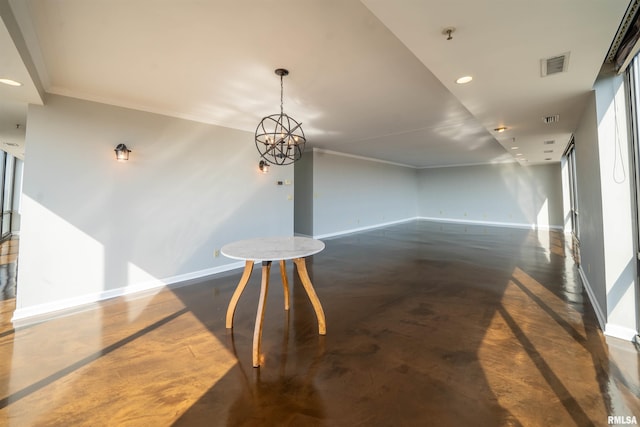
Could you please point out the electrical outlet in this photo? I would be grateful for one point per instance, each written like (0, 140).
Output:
(289, 197)
(216, 253)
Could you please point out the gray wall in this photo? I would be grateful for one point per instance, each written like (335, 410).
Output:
(93, 227)
(303, 202)
(617, 217)
(606, 221)
(345, 194)
(352, 194)
(590, 204)
(503, 194)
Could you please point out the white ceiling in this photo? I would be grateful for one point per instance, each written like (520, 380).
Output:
(373, 78)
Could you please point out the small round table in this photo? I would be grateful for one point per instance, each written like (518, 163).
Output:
(266, 250)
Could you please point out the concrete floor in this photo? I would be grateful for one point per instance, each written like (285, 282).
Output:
(427, 324)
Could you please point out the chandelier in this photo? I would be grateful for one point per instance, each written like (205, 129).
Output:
(279, 138)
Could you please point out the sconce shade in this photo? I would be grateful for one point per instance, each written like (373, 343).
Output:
(122, 152)
(264, 166)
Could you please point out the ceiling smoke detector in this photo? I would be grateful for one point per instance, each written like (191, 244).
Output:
(554, 65)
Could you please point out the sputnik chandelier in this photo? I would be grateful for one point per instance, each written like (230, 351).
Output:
(279, 138)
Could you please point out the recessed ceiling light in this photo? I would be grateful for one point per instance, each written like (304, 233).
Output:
(463, 80)
(514, 148)
(519, 154)
(500, 129)
(10, 82)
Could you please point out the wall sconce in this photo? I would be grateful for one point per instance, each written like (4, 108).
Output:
(264, 166)
(122, 152)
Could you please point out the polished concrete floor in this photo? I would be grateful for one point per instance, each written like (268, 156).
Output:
(428, 324)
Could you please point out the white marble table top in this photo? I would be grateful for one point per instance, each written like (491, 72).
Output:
(272, 248)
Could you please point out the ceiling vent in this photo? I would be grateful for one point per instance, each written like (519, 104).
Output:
(551, 119)
(554, 65)
(550, 142)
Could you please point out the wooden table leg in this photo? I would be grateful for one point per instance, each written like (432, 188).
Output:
(257, 332)
(306, 282)
(248, 268)
(285, 283)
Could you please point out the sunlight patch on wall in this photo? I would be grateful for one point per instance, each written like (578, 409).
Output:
(82, 263)
(542, 219)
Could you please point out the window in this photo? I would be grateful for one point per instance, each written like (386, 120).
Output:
(633, 88)
(570, 155)
(633, 91)
(7, 179)
(7, 195)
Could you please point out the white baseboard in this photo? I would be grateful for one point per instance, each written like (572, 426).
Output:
(366, 228)
(494, 223)
(602, 318)
(43, 312)
(609, 329)
(448, 220)
(621, 332)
